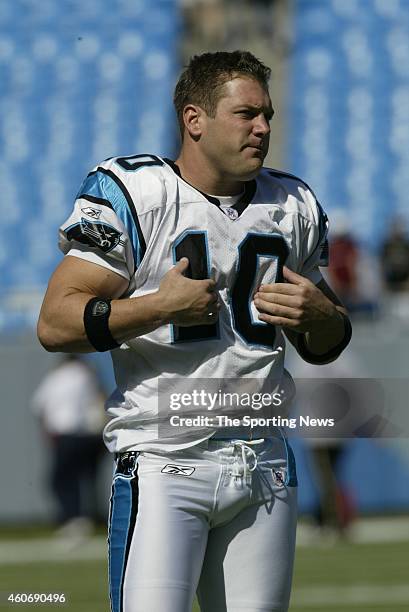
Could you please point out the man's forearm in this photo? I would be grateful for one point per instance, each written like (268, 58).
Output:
(323, 345)
(330, 334)
(61, 327)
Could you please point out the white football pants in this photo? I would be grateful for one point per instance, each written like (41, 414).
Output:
(218, 518)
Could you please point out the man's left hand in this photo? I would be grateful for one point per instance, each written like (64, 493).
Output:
(297, 304)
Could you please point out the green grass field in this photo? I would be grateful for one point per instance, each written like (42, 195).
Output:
(340, 578)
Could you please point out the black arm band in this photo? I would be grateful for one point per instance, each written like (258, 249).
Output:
(330, 355)
(96, 318)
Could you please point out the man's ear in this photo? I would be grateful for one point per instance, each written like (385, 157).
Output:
(193, 119)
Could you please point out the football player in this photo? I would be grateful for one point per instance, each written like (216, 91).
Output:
(185, 270)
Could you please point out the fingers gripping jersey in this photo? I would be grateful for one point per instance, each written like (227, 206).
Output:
(136, 216)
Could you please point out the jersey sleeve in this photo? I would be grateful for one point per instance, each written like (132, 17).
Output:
(314, 245)
(100, 228)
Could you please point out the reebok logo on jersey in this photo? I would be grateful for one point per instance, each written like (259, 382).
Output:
(185, 470)
(278, 477)
(92, 212)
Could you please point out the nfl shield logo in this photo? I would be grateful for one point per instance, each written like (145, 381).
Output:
(231, 212)
(279, 476)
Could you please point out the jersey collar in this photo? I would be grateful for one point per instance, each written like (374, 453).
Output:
(250, 188)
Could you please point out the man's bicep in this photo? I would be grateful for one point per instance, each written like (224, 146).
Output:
(75, 275)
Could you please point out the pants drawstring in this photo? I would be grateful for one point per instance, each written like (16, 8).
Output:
(246, 453)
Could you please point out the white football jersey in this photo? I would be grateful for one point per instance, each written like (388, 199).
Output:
(137, 217)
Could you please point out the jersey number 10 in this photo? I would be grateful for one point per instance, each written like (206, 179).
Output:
(254, 247)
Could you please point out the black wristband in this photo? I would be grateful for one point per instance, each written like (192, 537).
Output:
(96, 318)
(330, 355)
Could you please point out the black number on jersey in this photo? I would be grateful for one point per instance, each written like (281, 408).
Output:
(140, 161)
(251, 249)
(193, 245)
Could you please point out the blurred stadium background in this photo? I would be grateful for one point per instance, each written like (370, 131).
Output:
(83, 80)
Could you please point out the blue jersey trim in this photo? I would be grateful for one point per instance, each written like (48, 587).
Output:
(267, 256)
(104, 184)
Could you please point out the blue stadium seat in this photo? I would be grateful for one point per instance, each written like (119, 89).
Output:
(349, 110)
(82, 80)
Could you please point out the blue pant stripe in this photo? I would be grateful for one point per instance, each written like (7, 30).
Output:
(291, 480)
(121, 511)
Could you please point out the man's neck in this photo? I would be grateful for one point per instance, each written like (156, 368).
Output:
(206, 179)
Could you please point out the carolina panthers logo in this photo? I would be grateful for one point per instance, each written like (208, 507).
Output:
(126, 464)
(95, 234)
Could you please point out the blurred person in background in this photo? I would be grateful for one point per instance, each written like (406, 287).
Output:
(205, 20)
(394, 262)
(69, 404)
(343, 260)
(395, 258)
(327, 394)
(353, 271)
(263, 17)
(212, 24)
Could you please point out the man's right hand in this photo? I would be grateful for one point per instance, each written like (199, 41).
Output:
(187, 302)
(179, 300)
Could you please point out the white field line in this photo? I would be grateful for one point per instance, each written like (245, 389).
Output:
(326, 596)
(380, 530)
(362, 531)
(47, 549)
(320, 596)
(95, 548)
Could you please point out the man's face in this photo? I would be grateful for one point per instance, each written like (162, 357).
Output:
(236, 140)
